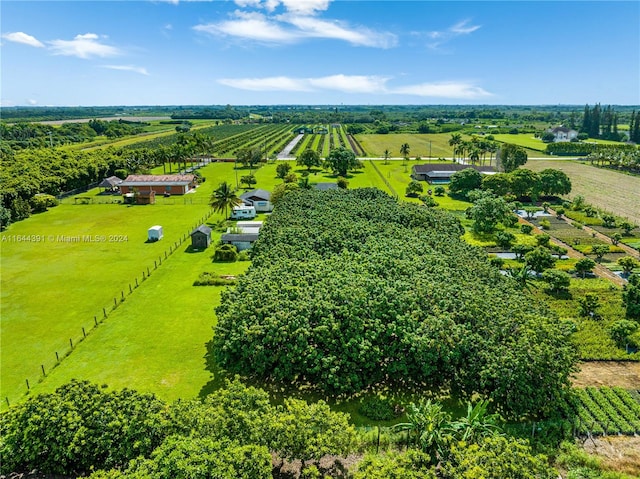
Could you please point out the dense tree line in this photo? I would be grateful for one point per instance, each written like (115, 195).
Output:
(37, 135)
(349, 289)
(519, 183)
(598, 122)
(229, 435)
(584, 149)
(634, 127)
(52, 171)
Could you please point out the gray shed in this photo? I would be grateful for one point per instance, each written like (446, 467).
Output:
(201, 237)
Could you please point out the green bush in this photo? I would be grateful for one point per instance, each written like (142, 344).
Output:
(226, 253)
(526, 229)
(41, 202)
(379, 408)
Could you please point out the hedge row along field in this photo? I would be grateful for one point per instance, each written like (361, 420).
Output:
(349, 290)
(606, 411)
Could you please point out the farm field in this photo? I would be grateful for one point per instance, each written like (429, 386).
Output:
(602, 188)
(375, 144)
(54, 284)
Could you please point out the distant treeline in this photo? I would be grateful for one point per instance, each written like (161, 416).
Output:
(36, 135)
(570, 115)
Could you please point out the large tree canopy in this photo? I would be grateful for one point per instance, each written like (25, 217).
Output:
(349, 289)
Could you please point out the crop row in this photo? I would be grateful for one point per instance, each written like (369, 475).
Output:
(257, 135)
(607, 411)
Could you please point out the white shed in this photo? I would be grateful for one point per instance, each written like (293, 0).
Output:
(155, 233)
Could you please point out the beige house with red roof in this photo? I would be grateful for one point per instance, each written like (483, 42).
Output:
(159, 184)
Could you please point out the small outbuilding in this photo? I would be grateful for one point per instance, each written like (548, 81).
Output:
(201, 237)
(155, 233)
(145, 197)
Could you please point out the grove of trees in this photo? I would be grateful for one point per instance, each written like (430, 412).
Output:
(349, 289)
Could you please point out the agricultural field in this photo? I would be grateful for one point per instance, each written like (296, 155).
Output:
(604, 189)
(375, 144)
(606, 411)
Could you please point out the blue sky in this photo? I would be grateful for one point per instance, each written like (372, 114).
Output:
(319, 52)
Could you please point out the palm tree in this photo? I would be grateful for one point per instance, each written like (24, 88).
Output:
(454, 141)
(404, 150)
(474, 154)
(224, 197)
(386, 156)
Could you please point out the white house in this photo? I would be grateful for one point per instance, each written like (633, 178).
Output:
(259, 199)
(243, 212)
(562, 133)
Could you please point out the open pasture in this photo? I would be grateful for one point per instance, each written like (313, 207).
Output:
(376, 144)
(605, 189)
(62, 267)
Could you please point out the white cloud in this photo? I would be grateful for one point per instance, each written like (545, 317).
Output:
(32, 102)
(351, 83)
(369, 84)
(128, 68)
(83, 46)
(299, 21)
(267, 84)
(252, 26)
(455, 90)
(459, 29)
(24, 38)
(317, 28)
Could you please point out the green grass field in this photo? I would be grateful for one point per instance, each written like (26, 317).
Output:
(62, 267)
(375, 145)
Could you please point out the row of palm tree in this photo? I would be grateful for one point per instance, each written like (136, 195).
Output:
(188, 148)
(475, 150)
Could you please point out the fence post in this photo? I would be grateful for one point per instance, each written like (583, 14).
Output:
(95, 320)
(27, 381)
(71, 342)
(84, 333)
(57, 357)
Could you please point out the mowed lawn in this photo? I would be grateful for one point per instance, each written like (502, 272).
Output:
(375, 144)
(606, 189)
(54, 285)
(156, 340)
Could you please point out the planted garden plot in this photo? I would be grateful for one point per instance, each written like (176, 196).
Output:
(606, 410)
